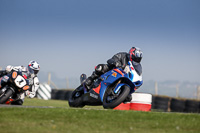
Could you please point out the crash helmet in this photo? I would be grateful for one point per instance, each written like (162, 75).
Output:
(135, 54)
(33, 68)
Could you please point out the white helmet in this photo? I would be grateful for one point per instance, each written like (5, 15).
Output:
(33, 67)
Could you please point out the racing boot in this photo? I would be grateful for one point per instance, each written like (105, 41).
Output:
(89, 81)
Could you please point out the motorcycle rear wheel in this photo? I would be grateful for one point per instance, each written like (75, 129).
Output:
(125, 90)
(6, 96)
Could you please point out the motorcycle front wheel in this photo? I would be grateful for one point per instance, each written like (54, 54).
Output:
(75, 100)
(6, 96)
(111, 100)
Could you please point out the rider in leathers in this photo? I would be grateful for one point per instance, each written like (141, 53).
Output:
(119, 60)
(30, 72)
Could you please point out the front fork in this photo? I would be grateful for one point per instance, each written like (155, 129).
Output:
(2, 90)
(85, 88)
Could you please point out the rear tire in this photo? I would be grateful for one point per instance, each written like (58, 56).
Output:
(6, 96)
(125, 90)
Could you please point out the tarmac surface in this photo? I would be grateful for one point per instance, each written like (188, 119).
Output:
(20, 106)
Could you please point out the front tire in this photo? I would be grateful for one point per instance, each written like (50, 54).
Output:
(6, 96)
(75, 100)
(110, 104)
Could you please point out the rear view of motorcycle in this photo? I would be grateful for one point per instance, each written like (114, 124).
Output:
(110, 90)
(13, 85)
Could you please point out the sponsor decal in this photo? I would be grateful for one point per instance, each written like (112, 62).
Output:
(5, 78)
(20, 81)
(114, 74)
(94, 96)
(14, 75)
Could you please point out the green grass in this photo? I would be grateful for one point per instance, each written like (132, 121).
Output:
(92, 120)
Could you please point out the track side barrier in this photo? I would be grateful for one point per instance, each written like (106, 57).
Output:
(144, 102)
(44, 92)
(139, 102)
(60, 94)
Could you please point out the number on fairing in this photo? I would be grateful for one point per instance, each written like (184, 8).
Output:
(20, 81)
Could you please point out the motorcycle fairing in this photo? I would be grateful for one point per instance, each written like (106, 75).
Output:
(110, 77)
(91, 98)
(117, 88)
(134, 76)
(97, 89)
(16, 82)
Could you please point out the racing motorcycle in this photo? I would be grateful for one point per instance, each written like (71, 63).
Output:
(109, 90)
(15, 85)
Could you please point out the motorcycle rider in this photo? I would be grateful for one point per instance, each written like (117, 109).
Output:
(119, 60)
(30, 72)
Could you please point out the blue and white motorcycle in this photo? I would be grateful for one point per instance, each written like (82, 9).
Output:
(109, 90)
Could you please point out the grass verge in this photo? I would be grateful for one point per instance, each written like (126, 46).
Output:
(91, 119)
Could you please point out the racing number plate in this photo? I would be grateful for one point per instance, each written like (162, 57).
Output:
(20, 81)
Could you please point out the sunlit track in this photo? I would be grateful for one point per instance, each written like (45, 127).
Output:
(19, 106)
(85, 108)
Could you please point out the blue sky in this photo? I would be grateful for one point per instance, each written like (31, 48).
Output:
(70, 37)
